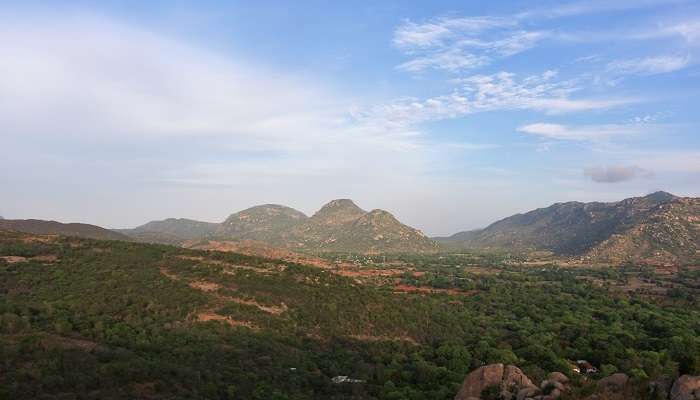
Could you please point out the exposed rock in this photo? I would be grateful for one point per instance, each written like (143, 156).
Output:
(613, 387)
(479, 379)
(551, 384)
(527, 392)
(513, 376)
(614, 383)
(686, 387)
(509, 378)
(558, 377)
(659, 388)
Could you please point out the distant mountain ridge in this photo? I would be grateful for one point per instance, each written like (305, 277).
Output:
(41, 227)
(656, 227)
(339, 226)
(170, 230)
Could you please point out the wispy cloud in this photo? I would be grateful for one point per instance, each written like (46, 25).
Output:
(649, 65)
(590, 7)
(484, 93)
(459, 44)
(616, 173)
(585, 132)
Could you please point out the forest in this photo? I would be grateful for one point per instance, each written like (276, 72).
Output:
(89, 319)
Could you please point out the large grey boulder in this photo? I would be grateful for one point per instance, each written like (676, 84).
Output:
(686, 387)
(510, 379)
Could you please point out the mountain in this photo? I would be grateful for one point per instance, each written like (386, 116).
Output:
(633, 229)
(171, 230)
(339, 226)
(342, 226)
(37, 226)
(267, 223)
(669, 234)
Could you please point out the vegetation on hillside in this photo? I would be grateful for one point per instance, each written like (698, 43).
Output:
(95, 319)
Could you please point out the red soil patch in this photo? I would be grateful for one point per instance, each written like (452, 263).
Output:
(167, 273)
(401, 288)
(370, 338)
(206, 316)
(204, 286)
(276, 310)
(14, 259)
(68, 343)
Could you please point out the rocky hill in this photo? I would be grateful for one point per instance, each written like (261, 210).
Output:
(268, 223)
(342, 226)
(339, 226)
(498, 381)
(171, 230)
(659, 227)
(42, 227)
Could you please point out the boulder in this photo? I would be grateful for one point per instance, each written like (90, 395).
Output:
(613, 387)
(527, 392)
(514, 377)
(509, 379)
(558, 377)
(552, 385)
(686, 387)
(614, 383)
(659, 388)
(479, 379)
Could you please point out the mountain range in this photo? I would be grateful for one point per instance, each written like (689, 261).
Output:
(41, 227)
(339, 226)
(657, 228)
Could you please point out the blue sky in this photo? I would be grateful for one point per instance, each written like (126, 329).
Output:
(450, 114)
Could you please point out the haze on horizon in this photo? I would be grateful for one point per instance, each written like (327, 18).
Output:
(449, 115)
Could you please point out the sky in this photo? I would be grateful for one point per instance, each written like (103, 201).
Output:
(449, 114)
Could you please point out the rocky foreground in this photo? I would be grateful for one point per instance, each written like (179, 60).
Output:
(508, 382)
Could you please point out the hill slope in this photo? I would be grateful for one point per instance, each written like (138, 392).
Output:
(82, 318)
(42, 227)
(663, 222)
(171, 230)
(267, 223)
(339, 226)
(342, 226)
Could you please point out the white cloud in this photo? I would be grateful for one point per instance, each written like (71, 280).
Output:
(410, 36)
(86, 80)
(484, 93)
(458, 44)
(690, 31)
(92, 77)
(585, 132)
(649, 65)
(452, 60)
(616, 173)
(589, 7)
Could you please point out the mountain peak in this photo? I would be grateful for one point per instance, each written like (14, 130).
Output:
(340, 204)
(660, 196)
(338, 211)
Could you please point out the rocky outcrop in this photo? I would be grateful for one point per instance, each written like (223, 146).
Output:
(686, 387)
(509, 379)
(614, 387)
(510, 383)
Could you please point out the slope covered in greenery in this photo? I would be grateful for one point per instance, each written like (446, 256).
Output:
(106, 319)
(634, 229)
(42, 227)
(171, 229)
